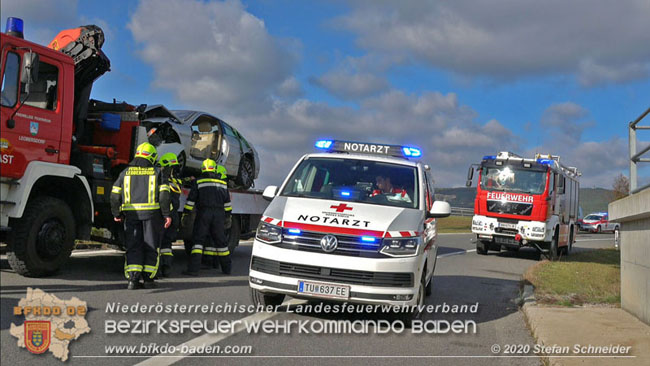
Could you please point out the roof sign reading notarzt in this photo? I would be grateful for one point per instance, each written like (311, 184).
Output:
(369, 148)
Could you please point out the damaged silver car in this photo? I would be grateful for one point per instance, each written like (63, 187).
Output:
(195, 136)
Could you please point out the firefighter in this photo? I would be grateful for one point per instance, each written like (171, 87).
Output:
(210, 196)
(171, 169)
(223, 173)
(140, 199)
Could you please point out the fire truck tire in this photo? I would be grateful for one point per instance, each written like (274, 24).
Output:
(482, 247)
(235, 232)
(553, 249)
(42, 240)
(264, 299)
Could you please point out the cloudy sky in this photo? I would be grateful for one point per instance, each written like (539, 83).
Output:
(460, 79)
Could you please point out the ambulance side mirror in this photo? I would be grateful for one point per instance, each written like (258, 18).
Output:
(270, 192)
(439, 209)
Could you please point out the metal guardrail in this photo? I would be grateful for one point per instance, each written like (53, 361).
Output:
(636, 156)
(461, 211)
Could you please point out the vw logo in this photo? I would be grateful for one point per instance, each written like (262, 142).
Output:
(329, 243)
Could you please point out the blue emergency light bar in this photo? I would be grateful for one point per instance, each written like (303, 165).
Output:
(490, 157)
(295, 231)
(14, 27)
(345, 194)
(368, 239)
(369, 148)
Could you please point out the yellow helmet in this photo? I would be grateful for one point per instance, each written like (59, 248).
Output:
(168, 159)
(221, 170)
(147, 151)
(209, 165)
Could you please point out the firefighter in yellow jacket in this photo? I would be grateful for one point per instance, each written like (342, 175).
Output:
(140, 199)
(210, 196)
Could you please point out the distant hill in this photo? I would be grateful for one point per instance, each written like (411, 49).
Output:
(591, 199)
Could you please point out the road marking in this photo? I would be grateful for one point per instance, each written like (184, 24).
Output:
(609, 239)
(210, 339)
(456, 253)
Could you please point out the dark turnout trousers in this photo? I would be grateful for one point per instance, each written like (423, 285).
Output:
(142, 239)
(209, 239)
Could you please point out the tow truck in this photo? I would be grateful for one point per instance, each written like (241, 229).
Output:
(525, 202)
(61, 150)
(355, 223)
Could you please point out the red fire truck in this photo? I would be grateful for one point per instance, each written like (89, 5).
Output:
(525, 202)
(61, 150)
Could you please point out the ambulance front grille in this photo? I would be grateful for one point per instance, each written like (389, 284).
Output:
(348, 245)
(346, 276)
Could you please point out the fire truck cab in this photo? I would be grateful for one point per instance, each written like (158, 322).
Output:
(525, 202)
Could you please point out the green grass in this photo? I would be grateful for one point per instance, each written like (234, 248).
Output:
(592, 277)
(454, 224)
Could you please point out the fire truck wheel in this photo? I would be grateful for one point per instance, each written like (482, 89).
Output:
(42, 240)
(553, 249)
(482, 247)
(233, 237)
(261, 298)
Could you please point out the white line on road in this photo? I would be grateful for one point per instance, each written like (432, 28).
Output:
(609, 239)
(456, 253)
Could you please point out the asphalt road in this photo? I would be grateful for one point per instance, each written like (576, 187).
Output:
(461, 278)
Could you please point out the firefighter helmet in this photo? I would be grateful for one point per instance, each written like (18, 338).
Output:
(147, 151)
(168, 159)
(221, 170)
(208, 165)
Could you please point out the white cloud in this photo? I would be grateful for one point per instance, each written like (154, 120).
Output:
(601, 40)
(351, 86)
(212, 54)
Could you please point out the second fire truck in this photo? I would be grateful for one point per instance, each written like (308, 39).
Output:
(525, 202)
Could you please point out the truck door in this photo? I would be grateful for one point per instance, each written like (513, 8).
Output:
(36, 133)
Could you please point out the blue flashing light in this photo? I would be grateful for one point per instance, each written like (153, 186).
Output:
(368, 239)
(324, 144)
(490, 157)
(345, 194)
(295, 231)
(548, 162)
(411, 152)
(14, 26)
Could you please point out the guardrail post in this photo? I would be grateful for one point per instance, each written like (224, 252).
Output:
(632, 131)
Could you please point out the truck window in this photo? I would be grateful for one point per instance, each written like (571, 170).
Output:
(513, 179)
(10, 80)
(43, 93)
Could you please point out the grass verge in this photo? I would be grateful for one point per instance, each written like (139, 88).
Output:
(454, 224)
(591, 277)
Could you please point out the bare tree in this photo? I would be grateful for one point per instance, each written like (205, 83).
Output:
(621, 186)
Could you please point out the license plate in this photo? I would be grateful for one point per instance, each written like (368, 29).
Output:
(507, 225)
(505, 240)
(323, 289)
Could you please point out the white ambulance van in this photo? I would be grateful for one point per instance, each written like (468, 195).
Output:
(354, 223)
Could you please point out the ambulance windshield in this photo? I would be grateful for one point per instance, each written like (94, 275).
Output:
(355, 181)
(511, 179)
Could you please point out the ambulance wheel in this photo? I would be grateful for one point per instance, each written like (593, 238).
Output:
(429, 288)
(264, 299)
(408, 317)
(482, 247)
(42, 240)
(235, 231)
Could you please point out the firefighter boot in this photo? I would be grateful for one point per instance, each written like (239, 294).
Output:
(134, 281)
(226, 264)
(149, 282)
(194, 265)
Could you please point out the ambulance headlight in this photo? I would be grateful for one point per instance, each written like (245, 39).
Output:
(268, 233)
(400, 247)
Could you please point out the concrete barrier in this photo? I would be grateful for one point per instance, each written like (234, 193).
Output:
(633, 212)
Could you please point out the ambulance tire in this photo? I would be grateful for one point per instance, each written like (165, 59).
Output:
(408, 317)
(42, 240)
(264, 299)
(482, 247)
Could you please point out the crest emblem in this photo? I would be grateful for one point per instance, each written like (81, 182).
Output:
(33, 128)
(37, 336)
